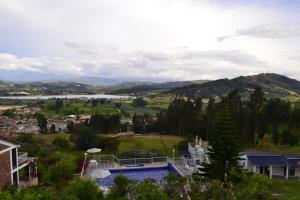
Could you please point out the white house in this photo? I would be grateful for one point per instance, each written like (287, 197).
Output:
(271, 164)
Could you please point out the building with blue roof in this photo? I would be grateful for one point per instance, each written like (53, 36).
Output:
(271, 164)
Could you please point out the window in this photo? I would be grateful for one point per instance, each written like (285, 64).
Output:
(292, 172)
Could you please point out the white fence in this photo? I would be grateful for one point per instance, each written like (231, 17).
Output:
(111, 161)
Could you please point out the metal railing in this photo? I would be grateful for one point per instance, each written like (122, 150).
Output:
(105, 160)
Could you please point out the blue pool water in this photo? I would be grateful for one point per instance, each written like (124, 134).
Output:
(138, 174)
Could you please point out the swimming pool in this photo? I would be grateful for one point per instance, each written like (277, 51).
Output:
(138, 174)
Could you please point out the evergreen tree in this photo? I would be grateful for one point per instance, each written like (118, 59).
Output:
(224, 151)
(42, 122)
(58, 105)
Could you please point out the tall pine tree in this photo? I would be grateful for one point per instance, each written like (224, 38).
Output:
(224, 148)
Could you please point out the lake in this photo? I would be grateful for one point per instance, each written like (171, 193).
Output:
(84, 96)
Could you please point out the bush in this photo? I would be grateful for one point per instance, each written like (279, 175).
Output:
(62, 172)
(84, 190)
(61, 142)
(139, 153)
(85, 139)
(108, 144)
(149, 190)
(289, 138)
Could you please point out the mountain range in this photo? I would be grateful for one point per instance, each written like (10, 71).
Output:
(274, 85)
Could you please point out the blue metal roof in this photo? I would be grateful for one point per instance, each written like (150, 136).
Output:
(293, 162)
(268, 160)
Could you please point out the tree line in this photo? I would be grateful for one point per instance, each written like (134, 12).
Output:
(254, 117)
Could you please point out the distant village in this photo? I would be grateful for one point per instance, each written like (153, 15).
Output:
(24, 120)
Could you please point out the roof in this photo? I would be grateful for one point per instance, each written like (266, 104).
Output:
(2, 146)
(8, 140)
(264, 158)
(268, 160)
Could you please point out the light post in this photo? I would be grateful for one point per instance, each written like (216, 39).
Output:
(173, 155)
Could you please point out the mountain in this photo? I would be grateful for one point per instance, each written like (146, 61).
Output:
(47, 88)
(148, 87)
(274, 85)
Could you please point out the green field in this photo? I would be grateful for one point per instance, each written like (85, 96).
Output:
(285, 189)
(163, 144)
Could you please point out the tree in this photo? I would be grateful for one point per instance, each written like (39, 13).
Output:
(85, 139)
(118, 105)
(173, 185)
(255, 104)
(224, 151)
(71, 127)
(120, 187)
(42, 122)
(62, 172)
(290, 137)
(85, 190)
(52, 128)
(148, 190)
(139, 102)
(59, 104)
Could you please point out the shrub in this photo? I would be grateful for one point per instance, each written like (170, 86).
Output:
(62, 172)
(108, 144)
(61, 142)
(85, 139)
(84, 190)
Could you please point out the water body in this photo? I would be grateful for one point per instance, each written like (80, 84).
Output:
(92, 96)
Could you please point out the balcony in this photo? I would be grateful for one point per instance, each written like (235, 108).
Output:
(22, 158)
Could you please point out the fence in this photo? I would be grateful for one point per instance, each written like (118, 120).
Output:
(111, 161)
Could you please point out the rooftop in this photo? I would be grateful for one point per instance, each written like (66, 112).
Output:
(275, 159)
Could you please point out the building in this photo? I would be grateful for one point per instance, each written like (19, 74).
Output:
(273, 165)
(16, 168)
(198, 152)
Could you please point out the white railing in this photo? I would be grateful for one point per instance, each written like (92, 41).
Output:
(191, 149)
(107, 161)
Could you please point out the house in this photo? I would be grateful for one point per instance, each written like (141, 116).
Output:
(16, 168)
(271, 164)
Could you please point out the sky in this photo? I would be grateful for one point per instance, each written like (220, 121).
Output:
(157, 40)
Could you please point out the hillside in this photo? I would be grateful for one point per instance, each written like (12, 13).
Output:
(46, 88)
(274, 85)
(148, 87)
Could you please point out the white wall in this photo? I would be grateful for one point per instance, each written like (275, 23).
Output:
(278, 171)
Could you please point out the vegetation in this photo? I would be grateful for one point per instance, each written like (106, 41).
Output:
(225, 149)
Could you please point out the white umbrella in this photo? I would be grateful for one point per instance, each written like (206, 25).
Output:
(100, 173)
(93, 150)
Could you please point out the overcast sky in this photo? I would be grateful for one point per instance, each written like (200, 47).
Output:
(148, 39)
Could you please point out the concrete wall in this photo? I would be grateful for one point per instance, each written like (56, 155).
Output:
(5, 169)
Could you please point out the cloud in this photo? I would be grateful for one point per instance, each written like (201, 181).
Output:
(83, 48)
(142, 65)
(124, 39)
(272, 31)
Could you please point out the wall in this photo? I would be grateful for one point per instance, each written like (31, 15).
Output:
(278, 171)
(5, 173)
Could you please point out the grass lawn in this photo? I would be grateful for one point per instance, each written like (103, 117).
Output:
(162, 143)
(286, 189)
(281, 149)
